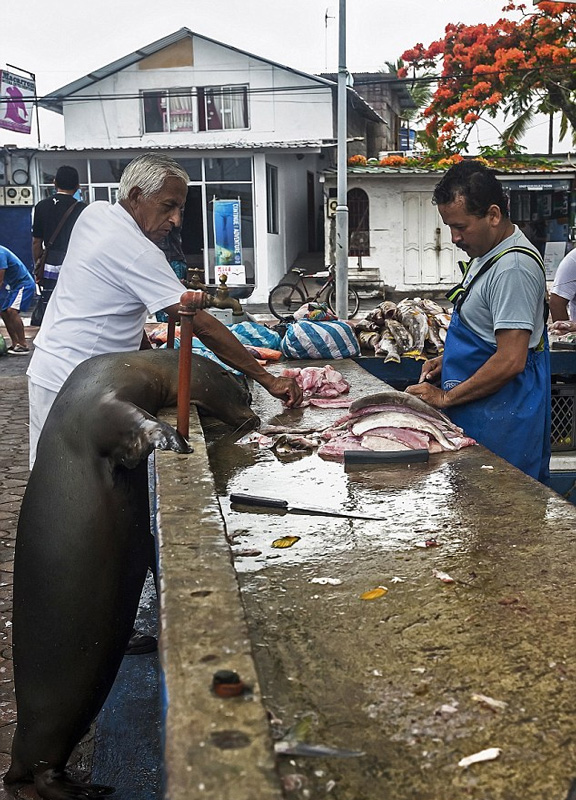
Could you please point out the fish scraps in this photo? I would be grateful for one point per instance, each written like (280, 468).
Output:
(374, 594)
(285, 541)
(442, 576)
(484, 755)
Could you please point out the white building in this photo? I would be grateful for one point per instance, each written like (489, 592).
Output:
(242, 126)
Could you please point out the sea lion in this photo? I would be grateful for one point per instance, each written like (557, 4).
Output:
(83, 547)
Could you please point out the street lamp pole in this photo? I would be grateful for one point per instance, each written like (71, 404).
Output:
(342, 188)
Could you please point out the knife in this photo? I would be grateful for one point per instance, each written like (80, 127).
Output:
(282, 505)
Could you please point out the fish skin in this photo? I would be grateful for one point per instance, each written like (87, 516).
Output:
(392, 419)
(390, 396)
(377, 443)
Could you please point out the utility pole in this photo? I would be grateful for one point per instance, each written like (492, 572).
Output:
(342, 182)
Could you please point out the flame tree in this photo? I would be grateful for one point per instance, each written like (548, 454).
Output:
(521, 65)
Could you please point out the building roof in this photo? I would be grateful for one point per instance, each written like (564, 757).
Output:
(562, 169)
(54, 100)
(314, 145)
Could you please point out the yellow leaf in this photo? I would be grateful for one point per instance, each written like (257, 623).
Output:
(285, 541)
(374, 594)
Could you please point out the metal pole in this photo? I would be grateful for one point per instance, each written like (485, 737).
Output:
(342, 187)
(190, 302)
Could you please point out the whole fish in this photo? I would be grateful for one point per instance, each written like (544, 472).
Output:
(390, 396)
(433, 334)
(402, 337)
(416, 323)
(430, 306)
(368, 338)
(392, 419)
(386, 347)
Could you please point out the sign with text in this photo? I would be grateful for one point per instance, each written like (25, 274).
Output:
(228, 242)
(16, 100)
(553, 255)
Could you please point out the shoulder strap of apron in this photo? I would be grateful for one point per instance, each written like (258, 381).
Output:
(458, 293)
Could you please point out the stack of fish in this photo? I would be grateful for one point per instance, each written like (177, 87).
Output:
(415, 328)
(392, 421)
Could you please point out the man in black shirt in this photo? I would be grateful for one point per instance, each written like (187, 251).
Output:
(48, 214)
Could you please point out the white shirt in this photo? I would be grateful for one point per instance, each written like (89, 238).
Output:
(565, 282)
(111, 279)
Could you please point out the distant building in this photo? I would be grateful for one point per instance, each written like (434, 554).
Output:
(243, 127)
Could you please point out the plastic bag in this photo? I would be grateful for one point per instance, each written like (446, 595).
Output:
(307, 339)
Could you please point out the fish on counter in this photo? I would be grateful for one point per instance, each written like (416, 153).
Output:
(319, 383)
(416, 325)
(392, 421)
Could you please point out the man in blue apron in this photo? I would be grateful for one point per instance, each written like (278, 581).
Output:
(495, 371)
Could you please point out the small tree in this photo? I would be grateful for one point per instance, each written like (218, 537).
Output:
(521, 65)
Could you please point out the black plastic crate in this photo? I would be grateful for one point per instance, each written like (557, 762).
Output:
(563, 432)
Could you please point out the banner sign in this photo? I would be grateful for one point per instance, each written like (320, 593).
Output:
(16, 101)
(228, 242)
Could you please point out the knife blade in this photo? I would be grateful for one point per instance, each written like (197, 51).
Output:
(283, 505)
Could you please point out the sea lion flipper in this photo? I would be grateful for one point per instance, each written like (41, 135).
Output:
(134, 433)
(54, 784)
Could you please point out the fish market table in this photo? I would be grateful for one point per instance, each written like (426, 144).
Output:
(390, 649)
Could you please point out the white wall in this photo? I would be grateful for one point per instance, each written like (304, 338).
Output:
(386, 208)
(273, 116)
(276, 253)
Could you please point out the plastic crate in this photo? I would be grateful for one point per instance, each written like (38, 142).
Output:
(563, 431)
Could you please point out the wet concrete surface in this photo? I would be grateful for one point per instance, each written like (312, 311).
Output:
(396, 678)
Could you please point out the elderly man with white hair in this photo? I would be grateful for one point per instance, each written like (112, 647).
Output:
(113, 276)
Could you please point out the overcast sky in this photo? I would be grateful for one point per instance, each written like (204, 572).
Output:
(62, 40)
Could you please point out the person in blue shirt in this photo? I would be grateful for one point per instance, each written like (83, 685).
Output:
(17, 290)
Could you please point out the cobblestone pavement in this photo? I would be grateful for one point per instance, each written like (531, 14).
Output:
(13, 478)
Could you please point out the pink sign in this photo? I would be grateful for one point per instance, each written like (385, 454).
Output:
(16, 100)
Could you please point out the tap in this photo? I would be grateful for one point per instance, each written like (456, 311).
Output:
(222, 299)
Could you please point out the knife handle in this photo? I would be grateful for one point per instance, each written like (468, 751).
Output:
(253, 500)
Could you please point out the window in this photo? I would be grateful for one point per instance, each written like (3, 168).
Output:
(222, 108)
(272, 198)
(168, 110)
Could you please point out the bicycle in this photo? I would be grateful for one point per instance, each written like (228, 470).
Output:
(285, 298)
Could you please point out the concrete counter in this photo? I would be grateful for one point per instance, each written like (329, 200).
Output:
(396, 677)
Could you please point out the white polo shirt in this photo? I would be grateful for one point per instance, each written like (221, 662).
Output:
(111, 279)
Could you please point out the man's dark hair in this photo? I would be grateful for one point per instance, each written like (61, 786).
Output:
(67, 178)
(477, 184)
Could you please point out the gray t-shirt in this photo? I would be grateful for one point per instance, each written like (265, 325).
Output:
(509, 296)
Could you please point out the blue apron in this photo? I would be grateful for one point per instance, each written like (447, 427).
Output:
(514, 422)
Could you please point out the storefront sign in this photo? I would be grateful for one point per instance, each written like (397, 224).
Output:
(16, 101)
(228, 242)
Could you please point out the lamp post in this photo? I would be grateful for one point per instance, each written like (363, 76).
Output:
(342, 159)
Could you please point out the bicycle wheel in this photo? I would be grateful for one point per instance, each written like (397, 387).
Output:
(353, 301)
(284, 299)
